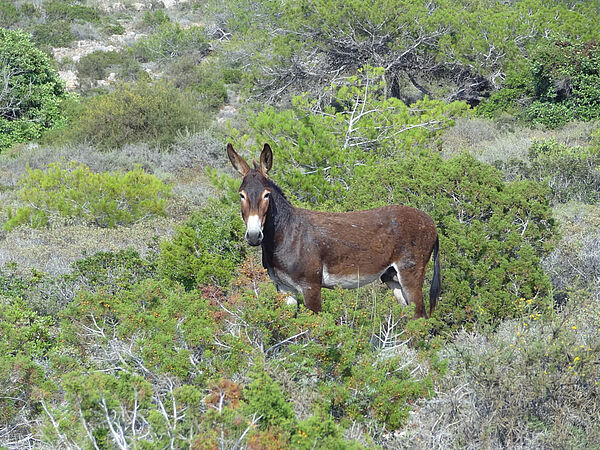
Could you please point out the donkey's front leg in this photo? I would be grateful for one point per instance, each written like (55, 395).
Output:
(312, 297)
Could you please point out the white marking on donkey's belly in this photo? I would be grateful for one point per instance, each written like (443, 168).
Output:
(349, 281)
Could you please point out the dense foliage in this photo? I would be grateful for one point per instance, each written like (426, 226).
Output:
(140, 318)
(322, 142)
(206, 249)
(470, 45)
(30, 90)
(559, 84)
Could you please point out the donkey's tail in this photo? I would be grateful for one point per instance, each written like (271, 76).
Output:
(436, 283)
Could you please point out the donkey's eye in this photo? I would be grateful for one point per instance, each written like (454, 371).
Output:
(266, 195)
(242, 196)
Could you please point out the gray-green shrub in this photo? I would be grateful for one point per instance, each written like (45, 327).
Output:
(156, 113)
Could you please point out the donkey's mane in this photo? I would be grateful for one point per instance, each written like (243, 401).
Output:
(282, 208)
(277, 189)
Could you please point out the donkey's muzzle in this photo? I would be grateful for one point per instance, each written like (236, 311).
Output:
(254, 238)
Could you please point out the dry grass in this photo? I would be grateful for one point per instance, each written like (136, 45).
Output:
(198, 151)
(575, 262)
(504, 139)
(52, 251)
(530, 384)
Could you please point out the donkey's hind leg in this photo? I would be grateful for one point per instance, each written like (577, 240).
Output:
(390, 277)
(411, 279)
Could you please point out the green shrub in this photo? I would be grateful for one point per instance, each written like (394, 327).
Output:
(94, 65)
(31, 102)
(355, 349)
(263, 398)
(201, 78)
(319, 147)
(552, 115)
(492, 234)
(320, 431)
(29, 10)
(171, 41)
(72, 190)
(152, 112)
(505, 100)
(12, 284)
(59, 10)
(8, 14)
(561, 83)
(113, 28)
(110, 271)
(25, 338)
(53, 34)
(164, 325)
(206, 249)
(155, 18)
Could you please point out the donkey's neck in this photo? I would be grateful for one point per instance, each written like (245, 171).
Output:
(280, 216)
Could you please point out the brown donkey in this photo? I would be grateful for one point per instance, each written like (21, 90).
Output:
(305, 250)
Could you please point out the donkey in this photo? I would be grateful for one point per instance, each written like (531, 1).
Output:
(305, 250)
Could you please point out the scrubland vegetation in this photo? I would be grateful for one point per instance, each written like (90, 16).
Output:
(134, 315)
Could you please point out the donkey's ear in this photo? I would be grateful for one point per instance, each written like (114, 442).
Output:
(266, 159)
(237, 161)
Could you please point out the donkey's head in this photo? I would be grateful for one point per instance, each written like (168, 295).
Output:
(254, 191)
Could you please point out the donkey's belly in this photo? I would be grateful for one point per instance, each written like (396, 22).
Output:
(347, 281)
(283, 281)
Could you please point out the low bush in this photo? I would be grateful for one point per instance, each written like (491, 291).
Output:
(53, 34)
(171, 41)
(9, 14)
(25, 339)
(156, 113)
(201, 78)
(155, 18)
(110, 271)
(206, 249)
(95, 65)
(191, 345)
(61, 10)
(573, 173)
(72, 190)
(13, 284)
(566, 80)
(492, 234)
(560, 84)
